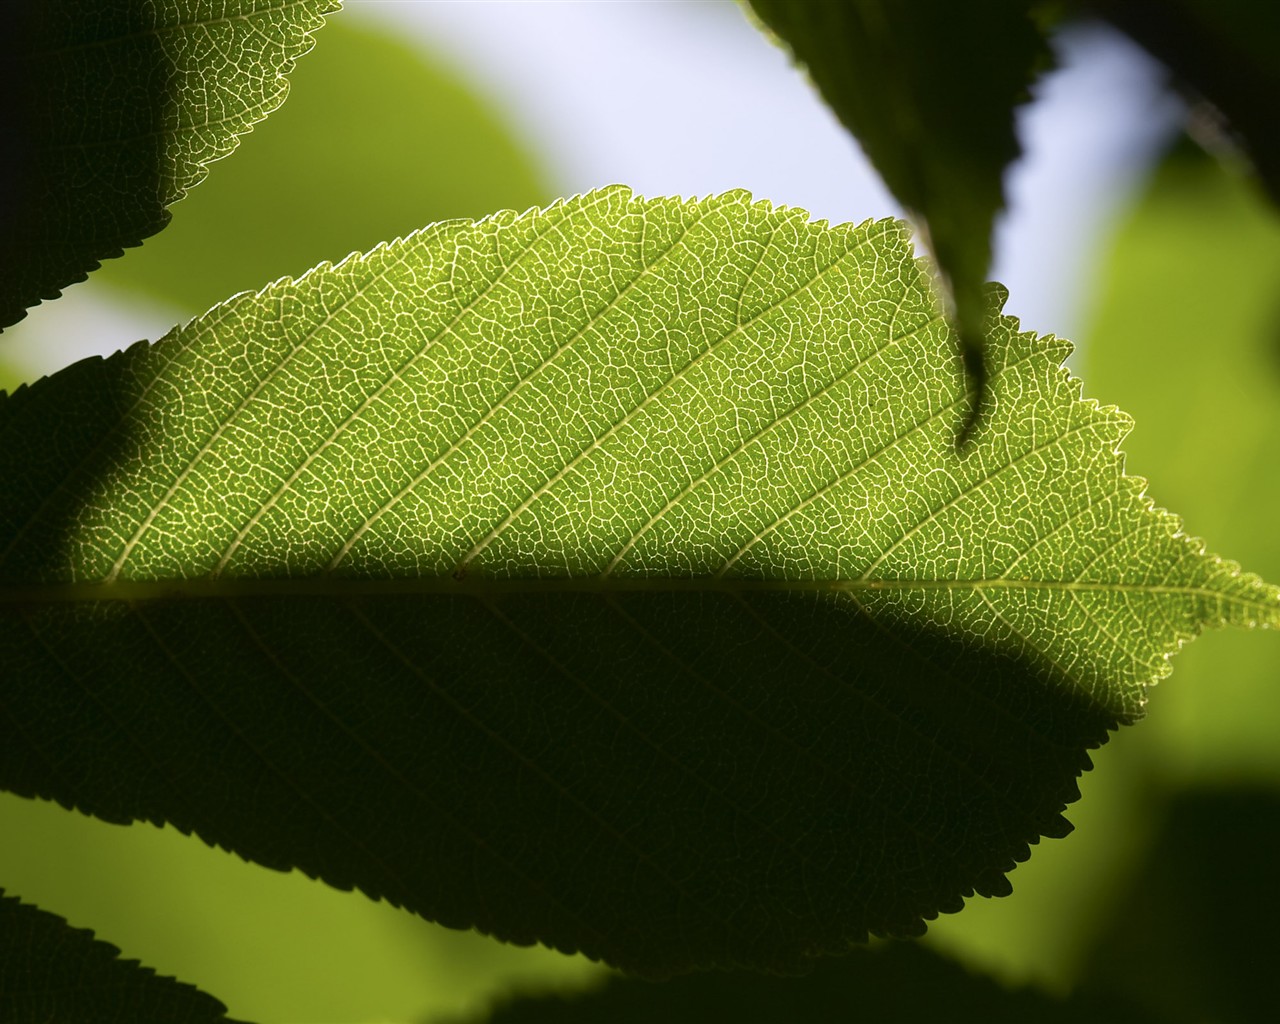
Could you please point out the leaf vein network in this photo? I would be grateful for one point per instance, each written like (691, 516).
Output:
(679, 375)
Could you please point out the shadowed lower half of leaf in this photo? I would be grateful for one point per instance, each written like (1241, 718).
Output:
(115, 109)
(604, 576)
(50, 971)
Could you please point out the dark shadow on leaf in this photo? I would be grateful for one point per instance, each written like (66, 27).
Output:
(666, 781)
(84, 130)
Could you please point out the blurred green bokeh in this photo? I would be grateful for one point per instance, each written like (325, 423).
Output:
(374, 142)
(1186, 338)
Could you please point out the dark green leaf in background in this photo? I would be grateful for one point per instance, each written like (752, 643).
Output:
(1193, 934)
(115, 109)
(50, 971)
(604, 576)
(929, 90)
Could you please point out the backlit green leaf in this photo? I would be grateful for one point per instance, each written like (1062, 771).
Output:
(114, 110)
(605, 576)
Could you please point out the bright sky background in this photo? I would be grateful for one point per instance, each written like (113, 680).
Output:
(685, 97)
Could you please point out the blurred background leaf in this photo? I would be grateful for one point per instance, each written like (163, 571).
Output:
(1223, 51)
(1193, 938)
(891, 983)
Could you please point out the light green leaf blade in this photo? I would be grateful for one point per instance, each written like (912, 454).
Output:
(50, 971)
(116, 110)
(929, 90)
(605, 576)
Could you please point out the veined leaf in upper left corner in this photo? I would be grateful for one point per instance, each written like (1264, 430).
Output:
(110, 110)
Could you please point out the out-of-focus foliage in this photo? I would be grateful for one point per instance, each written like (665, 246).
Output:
(113, 109)
(1222, 50)
(375, 141)
(1192, 936)
(889, 984)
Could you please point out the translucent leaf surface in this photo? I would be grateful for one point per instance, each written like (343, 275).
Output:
(605, 576)
(50, 971)
(115, 108)
(929, 90)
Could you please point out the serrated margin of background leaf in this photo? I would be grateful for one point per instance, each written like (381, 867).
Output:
(118, 977)
(192, 172)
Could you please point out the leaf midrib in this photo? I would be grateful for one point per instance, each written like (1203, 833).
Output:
(322, 585)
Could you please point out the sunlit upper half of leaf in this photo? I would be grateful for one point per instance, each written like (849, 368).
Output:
(605, 576)
(114, 108)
